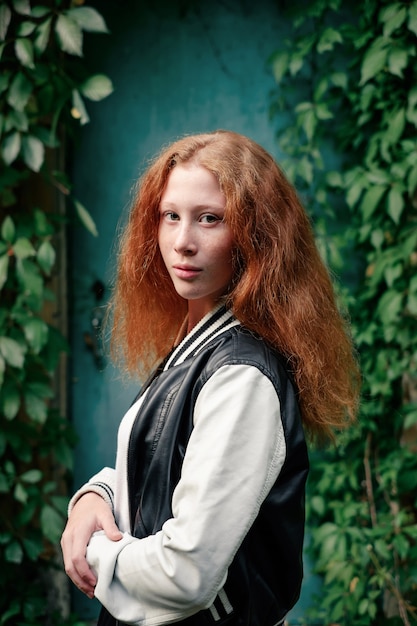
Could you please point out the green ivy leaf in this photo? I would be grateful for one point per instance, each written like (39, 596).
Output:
(78, 110)
(4, 269)
(377, 238)
(19, 92)
(280, 62)
(395, 204)
(411, 418)
(328, 39)
(25, 29)
(11, 147)
(53, 349)
(33, 152)
(43, 32)
(4, 81)
(401, 545)
(43, 227)
(374, 61)
(323, 112)
(318, 505)
(8, 230)
(61, 504)
(16, 120)
(14, 553)
(371, 199)
(40, 11)
(10, 401)
(20, 494)
(307, 119)
(412, 303)
(390, 306)
(69, 35)
(397, 61)
(412, 181)
(305, 170)
(412, 18)
(22, 7)
(97, 87)
(334, 179)
(378, 177)
(29, 277)
(47, 135)
(31, 476)
(46, 256)
(413, 285)
(395, 127)
(392, 272)
(24, 52)
(36, 333)
(412, 108)
(23, 249)
(409, 244)
(41, 389)
(33, 548)
(65, 454)
(2, 370)
(295, 64)
(392, 16)
(85, 218)
(12, 351)
(5, 17)
(36, 408)
(339, 79)
(52, 523)
(88, 19)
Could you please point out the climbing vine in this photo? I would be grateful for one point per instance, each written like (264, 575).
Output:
(43, 87)
(350, 145)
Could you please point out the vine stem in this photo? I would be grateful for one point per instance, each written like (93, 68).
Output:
(368, 480)
(402, 607)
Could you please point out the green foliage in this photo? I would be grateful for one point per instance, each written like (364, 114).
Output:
(351, 148)
(43, 87)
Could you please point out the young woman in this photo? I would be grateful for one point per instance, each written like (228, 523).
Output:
(220, 282)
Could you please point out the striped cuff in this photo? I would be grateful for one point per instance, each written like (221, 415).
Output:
(221, 606)
(101, 489)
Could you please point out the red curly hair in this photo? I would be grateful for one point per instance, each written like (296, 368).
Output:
(281, 291)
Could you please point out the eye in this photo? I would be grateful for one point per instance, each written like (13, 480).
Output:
(170, 216)
(209, 218)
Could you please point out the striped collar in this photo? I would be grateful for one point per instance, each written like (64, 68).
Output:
(213, 324)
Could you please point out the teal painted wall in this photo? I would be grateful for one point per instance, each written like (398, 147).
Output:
(177, 67)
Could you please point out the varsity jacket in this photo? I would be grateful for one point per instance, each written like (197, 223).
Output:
(208, 489)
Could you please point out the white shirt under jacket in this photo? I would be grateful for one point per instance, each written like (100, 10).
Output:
(234, 455)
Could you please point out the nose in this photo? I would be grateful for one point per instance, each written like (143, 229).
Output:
(185, 240)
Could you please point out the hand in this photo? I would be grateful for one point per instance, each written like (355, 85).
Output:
(90, 514)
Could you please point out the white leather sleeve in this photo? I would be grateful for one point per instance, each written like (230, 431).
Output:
(233, 457)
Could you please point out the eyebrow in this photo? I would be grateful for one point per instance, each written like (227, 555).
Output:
(196, 208)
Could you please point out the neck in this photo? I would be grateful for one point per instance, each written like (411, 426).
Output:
(197, 310)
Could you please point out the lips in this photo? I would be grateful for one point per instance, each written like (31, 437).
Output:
(186, 272)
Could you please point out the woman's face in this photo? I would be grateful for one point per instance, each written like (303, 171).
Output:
(195, 242)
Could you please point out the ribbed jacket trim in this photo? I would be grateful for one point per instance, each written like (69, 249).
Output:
(213, 324)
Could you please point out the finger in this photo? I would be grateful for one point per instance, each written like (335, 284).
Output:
(88, 590)
(85, 588)
(82, 576)
(76, 565)
(112, 531)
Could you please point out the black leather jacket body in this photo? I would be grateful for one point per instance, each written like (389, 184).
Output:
(264, 578)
